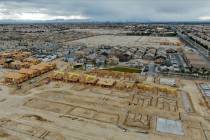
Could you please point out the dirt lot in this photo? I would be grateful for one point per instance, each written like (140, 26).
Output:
(67, 111)
(130, 41)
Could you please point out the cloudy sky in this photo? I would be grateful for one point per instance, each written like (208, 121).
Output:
(105, 10)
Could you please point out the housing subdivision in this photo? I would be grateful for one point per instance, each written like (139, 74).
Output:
(104, 81)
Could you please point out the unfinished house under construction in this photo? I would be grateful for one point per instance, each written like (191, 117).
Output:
(28, 73)
(15, 78)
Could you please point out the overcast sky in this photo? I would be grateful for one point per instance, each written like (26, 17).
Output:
(106, 10)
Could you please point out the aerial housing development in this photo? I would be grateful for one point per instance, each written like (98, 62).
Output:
(104, 81)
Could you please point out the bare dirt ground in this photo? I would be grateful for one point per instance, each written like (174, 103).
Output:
(66, 111)
(130, 41)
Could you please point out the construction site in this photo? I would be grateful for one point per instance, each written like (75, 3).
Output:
(53, 100)
(98, 104)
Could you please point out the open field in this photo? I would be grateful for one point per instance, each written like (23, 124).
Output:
(129, 41)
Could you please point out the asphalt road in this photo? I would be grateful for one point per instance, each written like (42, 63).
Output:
(195, 46)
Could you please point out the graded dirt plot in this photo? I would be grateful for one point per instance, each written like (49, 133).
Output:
(105, 105)
(84, 99)
(94, 115)
(207, 133)
(187, 103)
(130, 41)
(54, 136)
(48, 106)
(101, 31)
(5, 136)
(195, 94)
(24, 128)
(66, 111)
(31, 131)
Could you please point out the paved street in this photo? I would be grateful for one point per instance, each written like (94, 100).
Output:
(194, 45)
